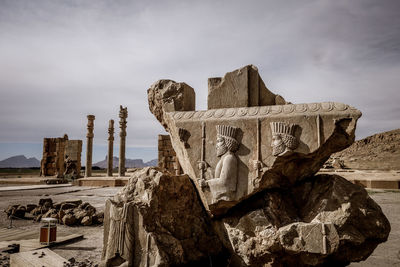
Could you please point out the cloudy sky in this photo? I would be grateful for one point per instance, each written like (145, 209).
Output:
(62, 60)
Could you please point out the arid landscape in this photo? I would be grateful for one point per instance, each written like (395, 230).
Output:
(381, 151)
(199, 133)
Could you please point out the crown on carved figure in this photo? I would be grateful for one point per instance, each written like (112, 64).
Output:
(282, 128)
(227, 131)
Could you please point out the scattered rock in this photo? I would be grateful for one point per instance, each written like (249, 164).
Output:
(16, 211)
(30, 207)
(69, 219)
(86, 221)
(70, 212)
(42, 201)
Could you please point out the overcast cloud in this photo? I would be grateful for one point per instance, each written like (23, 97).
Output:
(62, 60)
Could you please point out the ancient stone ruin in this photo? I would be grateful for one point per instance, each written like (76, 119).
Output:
(123, 114)
(110, 148)
(61, 157)
(89, 145)
(250, 195)
(167, 160)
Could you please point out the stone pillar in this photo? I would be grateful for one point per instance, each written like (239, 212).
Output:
(89, 145)
(123, 114)
(110, 148)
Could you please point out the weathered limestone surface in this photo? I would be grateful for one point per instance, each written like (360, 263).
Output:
(240, 88)
(167, 160)
(253, 161)
(72, 159)
(277, 145)
(52, 163)
(167, 96)
(324, 220)
(158, 220)
(61, 157)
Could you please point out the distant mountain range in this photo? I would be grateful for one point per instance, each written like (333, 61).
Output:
(19, 161)
(129, 163)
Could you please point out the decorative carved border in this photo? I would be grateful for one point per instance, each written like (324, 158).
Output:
(262, 110)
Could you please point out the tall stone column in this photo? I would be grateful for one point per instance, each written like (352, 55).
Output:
(110, 147)
(89, 145)
(123, 114)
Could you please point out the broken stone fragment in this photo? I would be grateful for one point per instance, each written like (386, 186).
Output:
(162, 222)
(167, 96)
(52, 213)
(43, 201)
(30, 207)
(324, 220)
(268, 146)
(98, 218)
(86, 221)
(240, 88)
(69, 219)
(16, 211)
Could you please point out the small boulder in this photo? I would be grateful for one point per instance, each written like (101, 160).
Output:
(69, 219)
(30, 207)
(66, 206)
(42, 201)
(98, 218)
(86, 221)
(19, 212)
(36, 211)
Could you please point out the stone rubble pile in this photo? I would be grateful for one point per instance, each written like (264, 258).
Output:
(4, 259)
(250, 195)
(70, 212)
(72, 262)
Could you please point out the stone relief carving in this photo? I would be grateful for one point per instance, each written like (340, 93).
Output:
(202, 162)
(120, 241)
(70, 168)
(283, 139)
(223, 186)
(243, 112)
(184, 136)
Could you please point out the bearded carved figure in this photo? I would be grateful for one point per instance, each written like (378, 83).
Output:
(223, 186)
(283, 140)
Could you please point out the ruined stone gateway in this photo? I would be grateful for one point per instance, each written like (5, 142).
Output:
(252, 160)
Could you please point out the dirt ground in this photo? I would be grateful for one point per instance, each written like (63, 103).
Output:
(387, 254)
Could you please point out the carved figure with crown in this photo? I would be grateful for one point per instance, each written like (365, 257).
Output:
(223, 186)
(283, 139)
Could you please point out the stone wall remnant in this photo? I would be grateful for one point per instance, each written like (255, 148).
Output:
(123, 114)
(240, 88)
(61, 157)
(72, 159)
(89, 145)
(167, 160)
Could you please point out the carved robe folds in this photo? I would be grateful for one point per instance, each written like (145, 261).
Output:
(223, 187)
(120, 231)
